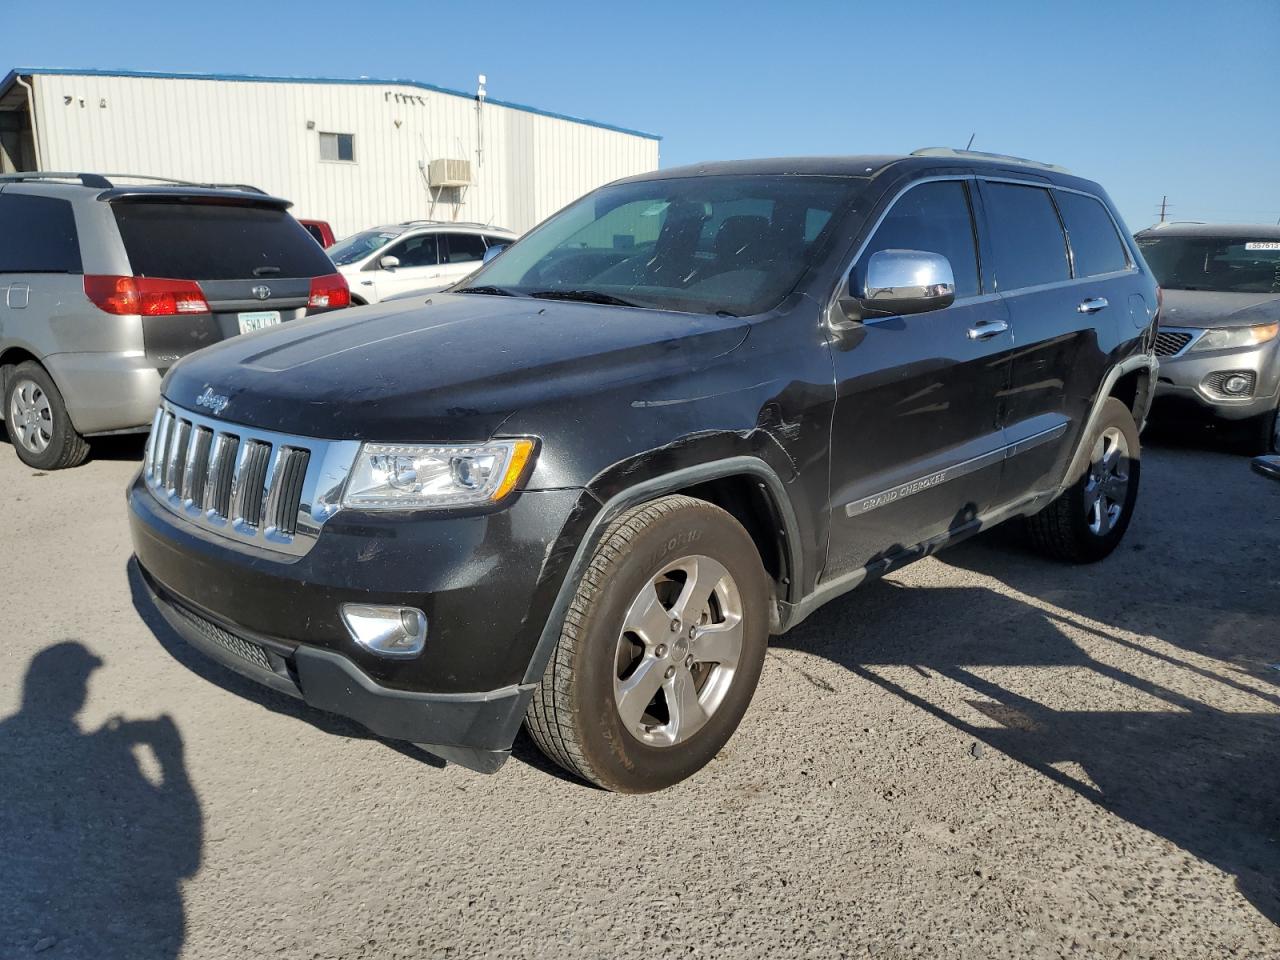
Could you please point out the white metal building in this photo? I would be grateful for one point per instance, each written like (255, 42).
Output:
(353, 152)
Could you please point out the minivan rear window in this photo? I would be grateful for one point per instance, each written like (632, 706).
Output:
(1026, 235)
(204, 241)
(37, 235)
(1095, 245)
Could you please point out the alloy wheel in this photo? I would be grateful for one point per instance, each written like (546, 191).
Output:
(31, 416)
(677, 651)
(1107, 488)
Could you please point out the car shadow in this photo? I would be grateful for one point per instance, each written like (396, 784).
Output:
(1204, 778)
(98, 828)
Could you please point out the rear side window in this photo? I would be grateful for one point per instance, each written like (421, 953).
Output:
(933, 217)
(204, 241)
(465, 247)
(1095, 245)
(1026, 236)
(37, 235)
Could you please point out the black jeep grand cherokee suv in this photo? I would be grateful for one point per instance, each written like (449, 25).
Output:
(581, 491)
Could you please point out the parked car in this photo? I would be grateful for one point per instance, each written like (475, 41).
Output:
(1217, 343)
(103, 287)
(320, 230)
(414, 257)
(582, 491)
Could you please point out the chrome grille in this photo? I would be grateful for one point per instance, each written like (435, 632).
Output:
(271, 489)
(1170, 343)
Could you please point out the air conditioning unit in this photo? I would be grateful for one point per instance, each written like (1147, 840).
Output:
(449, 173)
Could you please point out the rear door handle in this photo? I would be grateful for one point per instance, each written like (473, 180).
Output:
(1092, 305)
(986, 329)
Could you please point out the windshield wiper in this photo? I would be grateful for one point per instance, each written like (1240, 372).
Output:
(489, 291)
(583, 296)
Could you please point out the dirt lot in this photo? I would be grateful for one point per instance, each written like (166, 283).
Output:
(986, 755)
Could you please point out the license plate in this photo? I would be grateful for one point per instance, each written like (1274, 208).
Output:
(258, 320)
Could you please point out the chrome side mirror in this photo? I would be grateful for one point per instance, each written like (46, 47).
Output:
(493, 251)
(389, 262)
(898, 282)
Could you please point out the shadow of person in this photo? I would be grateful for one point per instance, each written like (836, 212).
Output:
(97, 828)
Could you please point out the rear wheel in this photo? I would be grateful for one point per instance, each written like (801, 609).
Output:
(1088, 521)
(37, 421)
(660, 651)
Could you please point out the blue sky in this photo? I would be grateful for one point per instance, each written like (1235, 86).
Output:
(1149, 98)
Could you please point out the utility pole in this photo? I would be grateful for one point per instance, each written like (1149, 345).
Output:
(1164, 206)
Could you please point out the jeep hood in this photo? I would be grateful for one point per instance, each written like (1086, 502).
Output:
(449, 369)
(1208, 308)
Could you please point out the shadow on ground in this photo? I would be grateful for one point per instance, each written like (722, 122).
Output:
(97, 827)
(1204, 778)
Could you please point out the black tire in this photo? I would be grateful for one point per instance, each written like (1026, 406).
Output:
(574, 717)
(65, 448)
(1062, 530)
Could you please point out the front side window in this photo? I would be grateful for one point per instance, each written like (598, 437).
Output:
(419, 251)
(1095, 245)
(1026, 236)
(465, 247)
(736, 244)
(935, 218)
(1234, 264)
(338, 146)
(37, 235)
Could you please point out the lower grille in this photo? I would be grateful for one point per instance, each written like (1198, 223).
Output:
(1169, 343)
(244, 649)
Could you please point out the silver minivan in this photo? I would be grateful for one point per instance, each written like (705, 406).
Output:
(104, 285)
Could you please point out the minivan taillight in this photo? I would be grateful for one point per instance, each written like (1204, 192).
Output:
(329, 291)
(149, 296)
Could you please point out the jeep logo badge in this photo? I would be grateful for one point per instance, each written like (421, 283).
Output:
(262, 292)
(212, 401)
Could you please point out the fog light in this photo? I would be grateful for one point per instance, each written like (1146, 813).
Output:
(1236, 384)
(386, 631)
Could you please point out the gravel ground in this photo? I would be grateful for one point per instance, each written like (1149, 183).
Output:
(986, 755)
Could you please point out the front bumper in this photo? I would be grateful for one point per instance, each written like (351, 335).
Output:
(1188, 377)
(486, 583)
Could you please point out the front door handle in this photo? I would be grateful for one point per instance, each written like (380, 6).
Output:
(1092, 305)
(986, 329)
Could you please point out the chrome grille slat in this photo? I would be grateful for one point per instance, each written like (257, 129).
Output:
(258, 487)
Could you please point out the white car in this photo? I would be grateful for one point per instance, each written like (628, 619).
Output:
(414, 257)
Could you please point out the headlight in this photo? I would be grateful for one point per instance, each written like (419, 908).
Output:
(422, 476)
(1229, 338)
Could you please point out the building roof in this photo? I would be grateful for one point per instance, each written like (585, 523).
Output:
(1187, 228)
(10, 77)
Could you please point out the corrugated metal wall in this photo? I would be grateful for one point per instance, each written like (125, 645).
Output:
(525, 167)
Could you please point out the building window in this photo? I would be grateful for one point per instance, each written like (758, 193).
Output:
(338, 146)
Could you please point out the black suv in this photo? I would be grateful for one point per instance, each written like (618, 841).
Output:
(581, 491)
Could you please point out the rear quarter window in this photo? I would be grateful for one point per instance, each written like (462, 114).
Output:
(1026, 236)
(37, 235)
(1095, 244)
(203, 241)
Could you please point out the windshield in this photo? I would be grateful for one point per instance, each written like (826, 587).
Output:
(356, 247)
(735, 244)
(1228, 264)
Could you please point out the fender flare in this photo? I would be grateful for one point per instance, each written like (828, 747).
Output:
(1080, 460)
(650, 489)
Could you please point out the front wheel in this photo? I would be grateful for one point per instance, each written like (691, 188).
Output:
(1261, 434)
(660, 651)
(1087, 522)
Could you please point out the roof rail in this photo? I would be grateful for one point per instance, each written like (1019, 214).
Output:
(982, 155)
(103, 181)
(444, 223)
(87, 179)
(1170, 223)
